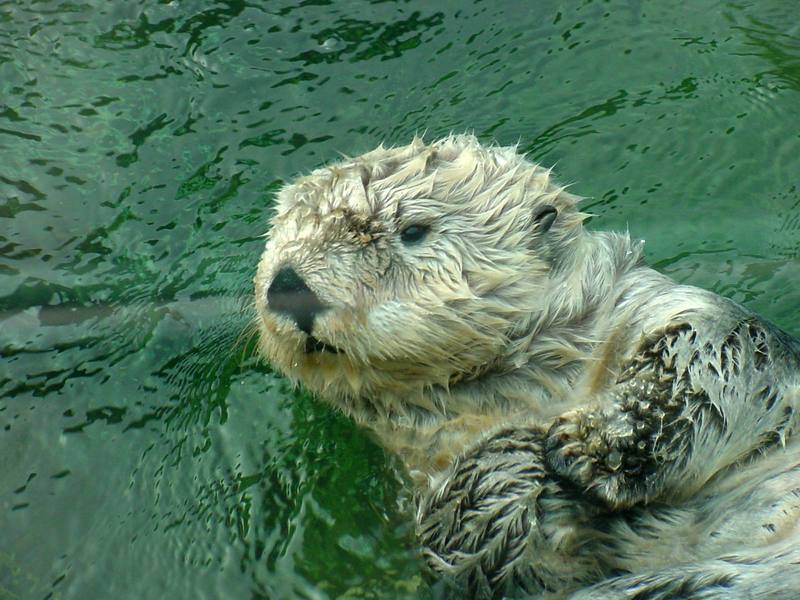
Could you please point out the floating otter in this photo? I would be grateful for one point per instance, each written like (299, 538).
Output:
(577, 424)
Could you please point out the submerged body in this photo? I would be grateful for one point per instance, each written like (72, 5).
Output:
(575, 422)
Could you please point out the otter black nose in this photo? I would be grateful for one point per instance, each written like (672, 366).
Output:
(289, 295)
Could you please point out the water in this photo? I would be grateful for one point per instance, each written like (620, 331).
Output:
(146, 451)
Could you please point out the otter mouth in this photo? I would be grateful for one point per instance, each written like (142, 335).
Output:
(315, 345)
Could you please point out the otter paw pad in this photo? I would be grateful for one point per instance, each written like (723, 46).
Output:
(598, 455)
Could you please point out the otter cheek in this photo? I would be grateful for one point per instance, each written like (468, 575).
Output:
(411, 332)
(394, 328)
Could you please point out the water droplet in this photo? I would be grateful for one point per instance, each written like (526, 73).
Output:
(614, 460)
(330, 44)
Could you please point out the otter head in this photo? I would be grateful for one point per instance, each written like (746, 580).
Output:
(408, 269)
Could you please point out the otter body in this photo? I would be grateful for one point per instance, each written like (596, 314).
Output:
(575, 422)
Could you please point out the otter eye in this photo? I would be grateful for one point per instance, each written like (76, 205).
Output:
(414, 234)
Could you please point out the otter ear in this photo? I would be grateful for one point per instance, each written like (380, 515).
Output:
(544, 217)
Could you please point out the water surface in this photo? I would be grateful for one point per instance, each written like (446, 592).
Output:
(147, 453)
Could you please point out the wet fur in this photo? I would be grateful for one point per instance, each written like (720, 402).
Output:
(575, 421)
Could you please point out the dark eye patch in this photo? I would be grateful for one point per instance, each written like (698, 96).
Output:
(414, 234)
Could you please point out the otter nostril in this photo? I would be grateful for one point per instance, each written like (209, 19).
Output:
(289, 295)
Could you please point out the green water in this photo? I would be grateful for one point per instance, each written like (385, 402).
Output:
(146, 453)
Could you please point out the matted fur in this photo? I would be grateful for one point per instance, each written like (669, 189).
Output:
(568, 413)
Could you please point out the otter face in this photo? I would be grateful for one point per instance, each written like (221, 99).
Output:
(405, 268)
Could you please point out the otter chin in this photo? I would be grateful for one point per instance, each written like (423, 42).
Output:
(568, 414)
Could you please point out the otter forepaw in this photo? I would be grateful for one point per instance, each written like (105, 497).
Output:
(601, 454)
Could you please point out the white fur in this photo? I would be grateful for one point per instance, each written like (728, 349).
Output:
(492, 327)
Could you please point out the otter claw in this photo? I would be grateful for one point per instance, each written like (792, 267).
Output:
(566, 450)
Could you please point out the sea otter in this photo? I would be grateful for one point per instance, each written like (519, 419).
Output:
(576, 423)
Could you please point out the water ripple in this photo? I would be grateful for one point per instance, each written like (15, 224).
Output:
(143, 143)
